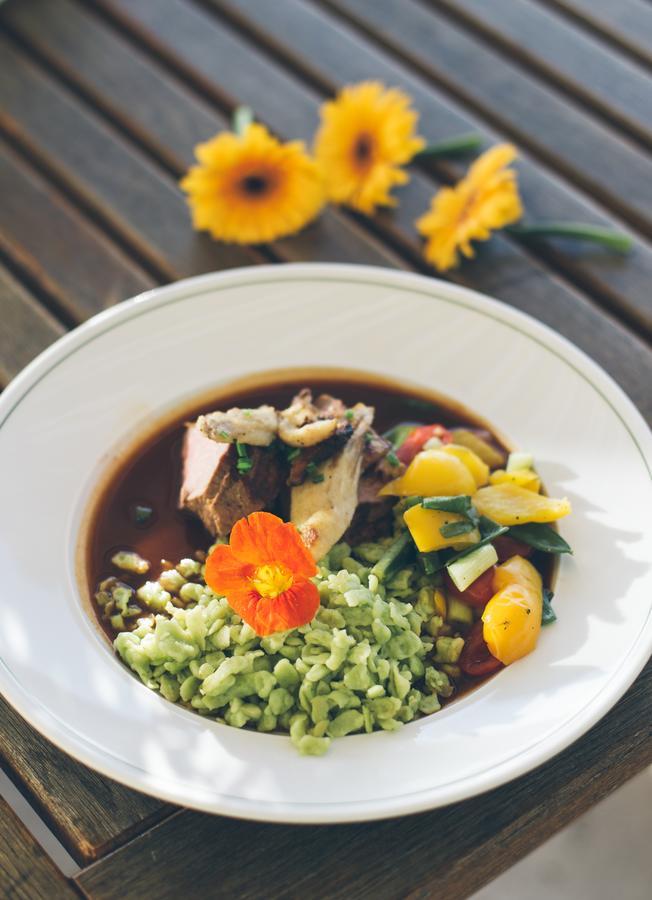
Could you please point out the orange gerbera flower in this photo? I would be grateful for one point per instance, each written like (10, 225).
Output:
(264, 573)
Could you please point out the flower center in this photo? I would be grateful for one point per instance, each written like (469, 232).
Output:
(363, 149)
(271, 580)
(254, 185)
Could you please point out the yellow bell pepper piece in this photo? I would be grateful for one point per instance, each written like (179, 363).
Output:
(512, 618)
(509, 504)
(425, 524)
(432, 473)
(525, 478)
(477, 468)
(440, 604)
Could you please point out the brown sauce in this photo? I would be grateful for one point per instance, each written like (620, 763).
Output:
(150, 475)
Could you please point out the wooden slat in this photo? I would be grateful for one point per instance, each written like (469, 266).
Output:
(209, 53)
(127, 193)
(160, 113)
(625, 23)
(27, 328)
(26, 872)
(567, 56)
(89, 814)
(584, 150)
(60, 250)
(446, 55)
(446, 853)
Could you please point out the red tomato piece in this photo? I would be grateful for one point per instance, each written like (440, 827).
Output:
(506, 547)
(478, 593)
(475, 659)
(414, 442)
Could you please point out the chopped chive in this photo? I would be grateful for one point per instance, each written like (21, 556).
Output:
(349, 414)
(461, 504)
(548, 615)
(225, 435)
(489, 530)
(142, 515)
(247, 413)
(431, 562)
(452, 529)
(293, 453)
(398, 435)
(244, 465)
(241, 450)
(314, 474)
(392, 556)
(393, 459)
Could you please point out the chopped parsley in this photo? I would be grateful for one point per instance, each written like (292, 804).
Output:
(314, 474)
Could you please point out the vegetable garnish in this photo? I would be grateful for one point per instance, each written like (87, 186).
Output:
(417, 437)
(541, 537)
(548, 615)
(264, 573)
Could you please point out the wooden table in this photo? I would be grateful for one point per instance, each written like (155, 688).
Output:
(101, 104)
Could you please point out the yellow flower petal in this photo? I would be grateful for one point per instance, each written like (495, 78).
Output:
(367, 133)
(484, 200)
(251, 188)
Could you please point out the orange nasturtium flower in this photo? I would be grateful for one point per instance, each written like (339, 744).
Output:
(264, 573)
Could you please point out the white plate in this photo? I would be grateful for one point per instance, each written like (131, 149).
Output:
(68, 414)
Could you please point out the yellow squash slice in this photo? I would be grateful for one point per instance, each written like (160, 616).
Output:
(509, 504)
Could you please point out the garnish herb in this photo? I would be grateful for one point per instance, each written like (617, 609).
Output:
(243, 463)
(225, 435)
(142, 515)
(314, 474)
(461, 504)
(541, 537)
(349, 414)
(393, 556)
(489, 531)
(431, 562)
(397, 435)
(455, 528)
(548, 614)
(393, 459)
(292, 453)
(241, 450)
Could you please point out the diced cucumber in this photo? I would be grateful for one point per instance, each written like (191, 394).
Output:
(518, 461)
(466, 570)
(459, 612)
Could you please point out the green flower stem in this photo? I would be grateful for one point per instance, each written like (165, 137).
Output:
(463, 143)
(576, 230)
(243, 116)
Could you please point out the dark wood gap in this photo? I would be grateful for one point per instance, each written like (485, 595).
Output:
(18, 141)
(93, 101)
(599, 296)
(487, 115)
(531, 64)
(19, 265)
(595, 28)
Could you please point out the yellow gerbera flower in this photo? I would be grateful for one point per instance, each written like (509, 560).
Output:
(366, 134)
(485, 199)
(250, 188)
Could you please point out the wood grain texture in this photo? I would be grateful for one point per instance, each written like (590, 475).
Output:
(27, 328)
(447, 56)
(57, 248)
(26, 871)
(126, 192)
(590, 154)
(162, 114)
(568, 57)
(626, 24)
(208, 53)
(446, 853)
(90, 814)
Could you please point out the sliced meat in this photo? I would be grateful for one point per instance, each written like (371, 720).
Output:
(372, 520)
(323, 511)
(375, 449)
(318, 453)
(257, 427)
(213, 488)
